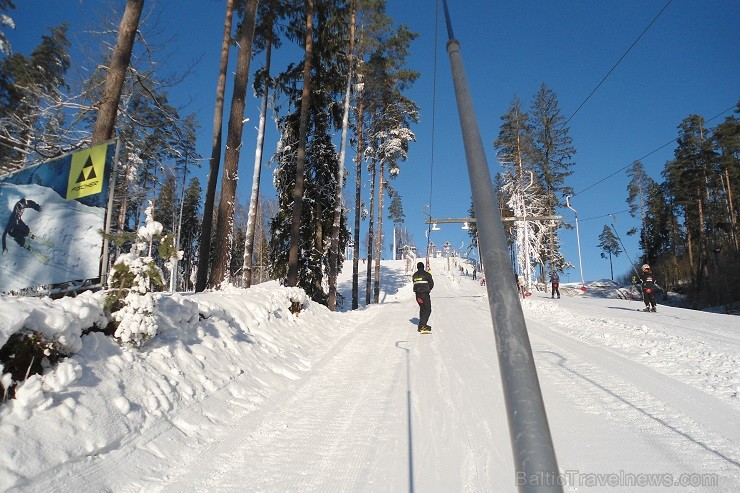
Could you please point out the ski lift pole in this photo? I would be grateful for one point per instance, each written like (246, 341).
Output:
(624, 249)
(534, 455)
(527, 273)
(578, 239)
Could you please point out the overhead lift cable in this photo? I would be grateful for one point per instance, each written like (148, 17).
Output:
(618, 62)
(434, 105)
(731, 108)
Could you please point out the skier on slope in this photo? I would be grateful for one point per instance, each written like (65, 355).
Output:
(649, 284)
(16, 228)
(555, 282)
(423, 284)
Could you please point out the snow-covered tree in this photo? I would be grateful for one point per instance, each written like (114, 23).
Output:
(33, 101)
(134, 277)
(5, 21)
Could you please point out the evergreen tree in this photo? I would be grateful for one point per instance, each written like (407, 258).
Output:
(204, 260)
(691, 181)
(225, 219)
(5, 20)
(638, 192)
(388, 116)
(316, 224)
(32, 99)
(518, 194)
(726, 138)
(116, 76)
(166, 206)
(552, 162)
(609, 245)
(307, 175)
(266, 37)
(189, 231)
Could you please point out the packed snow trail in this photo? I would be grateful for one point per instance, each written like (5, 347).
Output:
(387, 409)
(390, 409)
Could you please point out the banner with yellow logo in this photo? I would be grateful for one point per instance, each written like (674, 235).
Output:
(87, 172)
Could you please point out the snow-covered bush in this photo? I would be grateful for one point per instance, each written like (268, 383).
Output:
(25, 353)
(134, 276)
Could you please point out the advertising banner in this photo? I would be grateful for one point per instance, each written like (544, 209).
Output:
(52, 216)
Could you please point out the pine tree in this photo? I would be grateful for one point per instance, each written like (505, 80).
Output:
(189, 231)
(5, 20)
(32, 101)
(316, 224)
(166, 205)
(691, 180)
(519, 197)
(552, 162)
(108, 105)
(388, 116)
(609, 243)
(265, 38)
(204, 256)
(334, 256)
(307, 175)
(726, 138)
(225, 219)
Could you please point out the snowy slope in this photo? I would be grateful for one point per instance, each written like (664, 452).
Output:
(237, 394)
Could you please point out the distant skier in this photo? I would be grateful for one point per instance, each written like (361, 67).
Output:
(555, 282)
(521, 286)
(474, 272)
(649, 284)
(16, 228)
(423, 284)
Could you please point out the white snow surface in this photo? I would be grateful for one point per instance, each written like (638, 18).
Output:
(235, 393)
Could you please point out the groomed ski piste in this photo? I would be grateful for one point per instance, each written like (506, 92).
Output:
(237, 394)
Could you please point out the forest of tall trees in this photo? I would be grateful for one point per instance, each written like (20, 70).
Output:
(349, 81)
(688, 222)
(342, 82)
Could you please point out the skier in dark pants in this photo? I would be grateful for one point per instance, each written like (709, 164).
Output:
(16, 228)
(649, 285)
(555, 282)
(423, 284)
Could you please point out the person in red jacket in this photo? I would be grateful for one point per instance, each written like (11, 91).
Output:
(649, 284)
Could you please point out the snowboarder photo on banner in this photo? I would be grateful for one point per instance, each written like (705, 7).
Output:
(555, 282)
(16, 228)
(423, 284)
(649, 284)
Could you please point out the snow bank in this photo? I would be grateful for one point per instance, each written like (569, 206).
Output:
(106, 394)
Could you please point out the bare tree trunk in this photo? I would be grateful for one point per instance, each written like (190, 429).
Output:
(370, 236)
(334, 248)
(379, 237)
(295, 230)
(701, 241)
(249, 243)
(727, 183)
(204, 248)
(225, 220)
(119, 63)
(358, 212)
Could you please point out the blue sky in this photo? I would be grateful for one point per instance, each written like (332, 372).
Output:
(687, 62)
